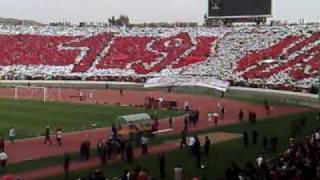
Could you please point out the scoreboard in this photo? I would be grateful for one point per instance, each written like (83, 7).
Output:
(239, 8)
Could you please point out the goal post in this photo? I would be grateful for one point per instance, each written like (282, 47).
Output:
(30, 92)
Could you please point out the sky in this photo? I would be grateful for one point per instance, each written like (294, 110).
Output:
(139, 11)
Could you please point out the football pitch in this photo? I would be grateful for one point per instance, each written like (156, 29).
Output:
(29, 118)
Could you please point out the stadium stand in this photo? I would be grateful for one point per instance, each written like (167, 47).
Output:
(278, 57)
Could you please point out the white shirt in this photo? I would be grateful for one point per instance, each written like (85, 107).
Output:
(178, 173)
(11, 133)
(259, 160)
(192, 140)
(59, 134)
(219, 105)
(317, 135)
(209, 117)
(144, 140)
(3, 156)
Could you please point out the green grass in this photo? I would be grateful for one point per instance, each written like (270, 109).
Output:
(221, 154)
(29, 118)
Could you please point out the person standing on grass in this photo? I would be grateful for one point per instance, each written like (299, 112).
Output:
(122, 144)
(66, 165)
(129, 153)
(254, 137)
(183, 142)
(245, 138)
(59, 136)
(103, 154)
(197, 152)
(12, 135)
(47, 136)
(265, 143)
(191, 144)
(274, 143)
(178, 173)
(162, 168)
(144, 144)
(143, 175)
(114, 130)
(207, 144)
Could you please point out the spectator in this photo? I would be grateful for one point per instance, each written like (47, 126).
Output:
(123, 145)
(66, 165)
(259, 160)
(265, 143)
(144, 144)
(222, 111)
(215, 118)
(170, 122)
(186, 106)
(197, 152)
(2, 143)
(143, 175)
(125, 175)
(254, 136)
(162, 166)
(274, 142)
(59, 136)
(210, 118)
(241, 115)
(183, 142)
(47, 137)
(12, 135)
(85, 150)
(207, 144)
(245, 138)
(3, 159)
(267, 106)
(178, 173)
(129, 153)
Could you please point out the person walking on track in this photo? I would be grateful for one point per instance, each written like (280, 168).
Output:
(47, 136)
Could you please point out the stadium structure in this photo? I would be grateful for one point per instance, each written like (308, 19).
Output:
(230, 11)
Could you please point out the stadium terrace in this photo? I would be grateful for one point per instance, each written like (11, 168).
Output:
(278, 57)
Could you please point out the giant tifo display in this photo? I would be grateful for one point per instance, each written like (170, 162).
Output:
(279, 57)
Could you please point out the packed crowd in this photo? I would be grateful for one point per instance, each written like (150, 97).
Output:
(299, 161)
(280, 57)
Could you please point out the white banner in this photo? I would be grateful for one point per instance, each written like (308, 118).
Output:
(201, 81)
